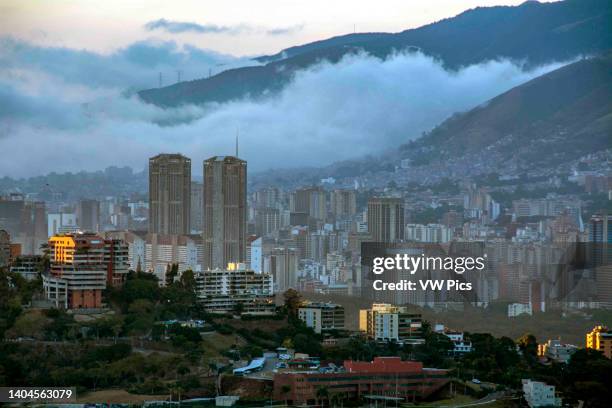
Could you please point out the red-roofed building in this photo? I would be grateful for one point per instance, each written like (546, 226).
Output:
(384, 377)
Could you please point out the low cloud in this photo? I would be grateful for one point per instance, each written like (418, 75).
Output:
(285, 30)
(179, 27)
(330, 112)
(175, 27)
(136, 66)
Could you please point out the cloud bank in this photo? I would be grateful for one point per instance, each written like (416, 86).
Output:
(55, 121)
(179, 27)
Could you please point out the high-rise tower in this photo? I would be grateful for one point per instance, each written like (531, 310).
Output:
(225, 211)
(169, 194)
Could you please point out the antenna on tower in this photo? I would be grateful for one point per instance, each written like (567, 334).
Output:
(160, 80)
(237, 133)
(178, 76)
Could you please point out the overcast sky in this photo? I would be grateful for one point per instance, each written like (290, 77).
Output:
(238, 27)
(68, 69)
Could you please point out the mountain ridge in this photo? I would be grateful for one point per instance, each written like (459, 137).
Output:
(532, 32)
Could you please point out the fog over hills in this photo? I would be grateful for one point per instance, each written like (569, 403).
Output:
(533, 33)
(548, 121)
(308, 106)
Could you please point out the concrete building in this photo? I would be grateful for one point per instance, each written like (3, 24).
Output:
(267, 222)
(61, 223)
(225, 212)
(88, 215)
(556, 351)
(432, 233)
(311, 201)
(322, 316)
(5, 248)
(517, 309)
(600, 338)
(169, 194)
(385, 379)
(28, 266)
(282, 264)
(257, 255)
(235, 288)
(197, 207)
(82, 265)
(539, 394)
(343, 203)
(386, 219)
(164, 251)
(385, 322)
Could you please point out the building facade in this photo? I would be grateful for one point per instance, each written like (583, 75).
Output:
(235, 289)
(322, 316)
(170, 194)
(385, 378)
(386, 219)
(81, 266)
(600, 338)
(225, 211)
(385, 322)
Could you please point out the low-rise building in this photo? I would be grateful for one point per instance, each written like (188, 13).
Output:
(322, 316)
(600, 338)
(460, 344)
(385, 378)
(556, 351)
(235, 289)
(539, 394)
(28, 266)
(517, 309)
(385, 322)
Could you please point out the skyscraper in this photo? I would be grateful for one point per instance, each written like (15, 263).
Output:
(310, 200)
(197, 206)
(386, 219)
(343, 203)
(169, 194)
(88, 215)
(225, 211)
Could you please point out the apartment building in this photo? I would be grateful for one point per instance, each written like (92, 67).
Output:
(539, 394)
(82, 266)
(322, 316)
(600, 338)
(386, 322)
(235, 289)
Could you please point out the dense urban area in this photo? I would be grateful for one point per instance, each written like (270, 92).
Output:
(210, 290)
(199, 283)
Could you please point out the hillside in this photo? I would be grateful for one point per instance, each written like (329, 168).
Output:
(532, 32)
(555, 117)
(542, 126)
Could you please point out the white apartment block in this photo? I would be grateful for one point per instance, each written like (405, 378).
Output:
(539, 394)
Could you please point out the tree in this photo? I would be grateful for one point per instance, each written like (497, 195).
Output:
(238, 308)
(529, 347)
(293, 300)
(188, 281)
(30, 325)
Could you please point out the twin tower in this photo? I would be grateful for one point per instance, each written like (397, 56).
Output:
(224, 209)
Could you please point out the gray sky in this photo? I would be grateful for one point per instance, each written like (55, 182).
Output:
(238, 27)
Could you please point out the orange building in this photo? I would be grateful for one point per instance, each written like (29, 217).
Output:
(600, 338)
(82, 264)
